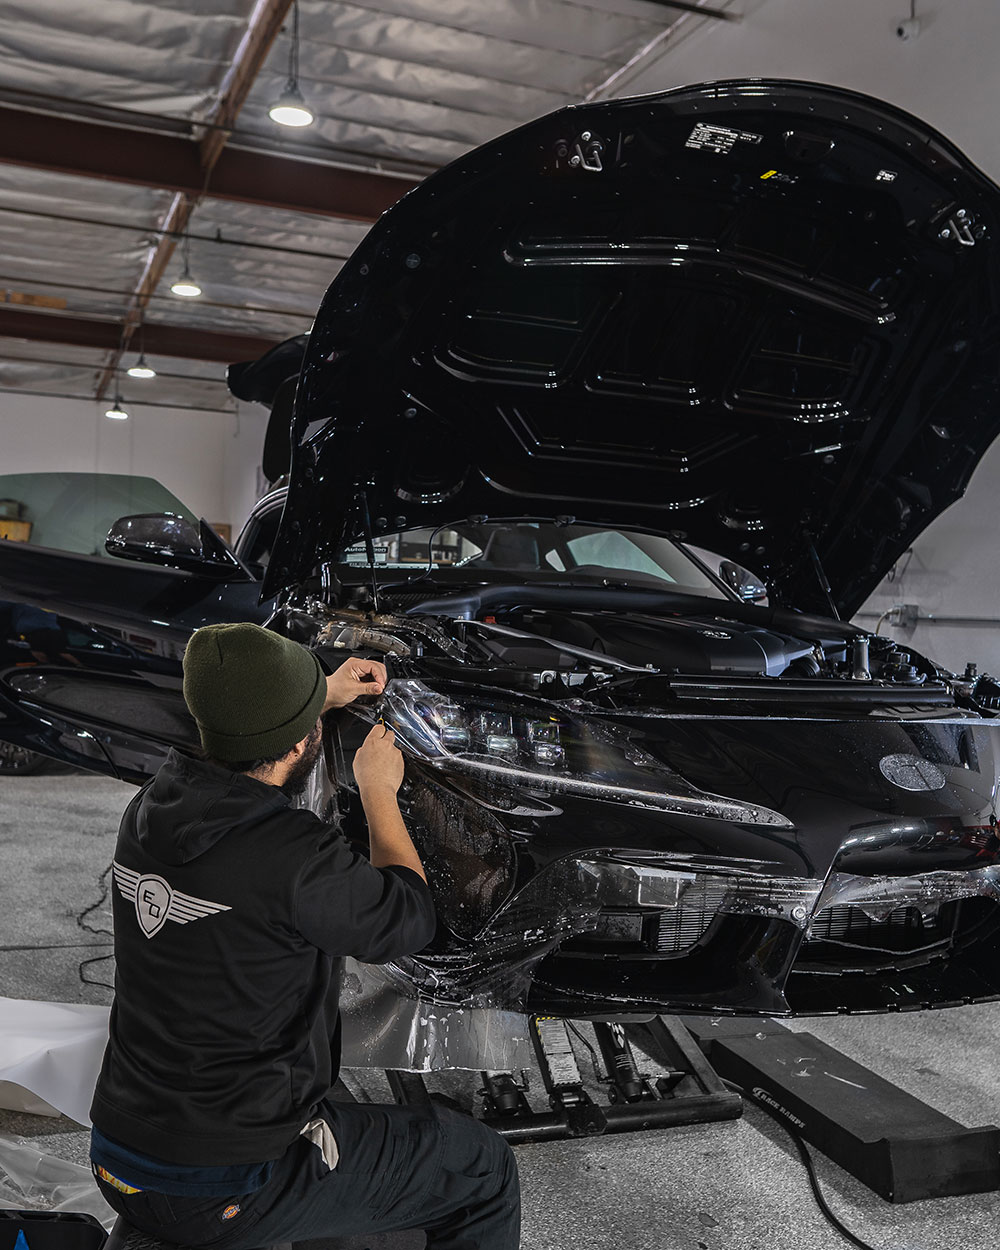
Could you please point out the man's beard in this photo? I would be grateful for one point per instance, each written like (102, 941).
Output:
(298, 775)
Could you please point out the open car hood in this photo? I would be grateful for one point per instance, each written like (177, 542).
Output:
(759, 316)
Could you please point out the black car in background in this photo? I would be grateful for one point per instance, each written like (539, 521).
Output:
(753, 319)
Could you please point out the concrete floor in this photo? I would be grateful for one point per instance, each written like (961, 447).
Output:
(731, 1186)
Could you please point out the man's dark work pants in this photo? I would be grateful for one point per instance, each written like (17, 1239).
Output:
(399, 1168)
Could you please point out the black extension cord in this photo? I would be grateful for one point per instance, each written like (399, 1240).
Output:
(807, 1160)
(81, 920)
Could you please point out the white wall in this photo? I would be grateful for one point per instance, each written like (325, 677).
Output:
(950, 77)
(208, 460)
(243, 447)
(954, 570)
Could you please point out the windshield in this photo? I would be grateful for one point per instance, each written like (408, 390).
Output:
(539, 550)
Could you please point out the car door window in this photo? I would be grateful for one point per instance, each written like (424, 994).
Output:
(257, 541)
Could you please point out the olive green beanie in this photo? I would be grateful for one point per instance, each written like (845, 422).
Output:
(253, 693)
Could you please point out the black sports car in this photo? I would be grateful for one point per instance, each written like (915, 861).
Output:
(754, 319)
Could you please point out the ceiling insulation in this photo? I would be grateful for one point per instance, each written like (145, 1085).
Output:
(398, 86)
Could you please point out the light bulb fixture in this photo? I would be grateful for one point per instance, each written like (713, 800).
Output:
(116, 412)
(141, 369)
(185, 285)
(290, 108)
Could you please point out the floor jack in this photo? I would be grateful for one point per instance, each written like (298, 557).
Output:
(685, 1089)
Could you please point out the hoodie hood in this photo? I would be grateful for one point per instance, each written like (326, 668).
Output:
(191, 804)
(757, 316)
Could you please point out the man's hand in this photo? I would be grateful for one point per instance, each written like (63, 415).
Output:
(354, 678)
(378, 763)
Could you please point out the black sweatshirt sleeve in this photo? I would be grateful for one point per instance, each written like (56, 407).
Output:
(344, 906)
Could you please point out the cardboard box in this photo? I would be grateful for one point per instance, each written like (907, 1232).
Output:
(15, 531)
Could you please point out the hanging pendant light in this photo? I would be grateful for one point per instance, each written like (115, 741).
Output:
(290, 108)
(185, 285)
(117, 411)
(141, 369)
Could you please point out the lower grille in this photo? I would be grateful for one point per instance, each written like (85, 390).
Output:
(670, 931)
(682, 927)
(902, 930)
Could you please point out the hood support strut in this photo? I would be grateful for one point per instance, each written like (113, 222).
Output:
(822, 578)
(369, 549)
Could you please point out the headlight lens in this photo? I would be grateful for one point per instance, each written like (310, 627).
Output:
(504, 739)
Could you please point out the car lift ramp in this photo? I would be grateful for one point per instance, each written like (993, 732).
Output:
(892, 1142)
(682, 1088)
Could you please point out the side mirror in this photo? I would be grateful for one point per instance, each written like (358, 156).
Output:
(173, 541)
(747, 585)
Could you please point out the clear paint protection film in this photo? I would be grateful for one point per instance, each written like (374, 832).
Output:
(575, 897)
(484, 763)
(879, 897)
(387, 1024)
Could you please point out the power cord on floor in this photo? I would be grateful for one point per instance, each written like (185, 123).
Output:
(81, 920)
(85, 980)
(104, 881)
(810, 1167)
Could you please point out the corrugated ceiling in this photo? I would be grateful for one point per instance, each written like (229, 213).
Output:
(399, 84)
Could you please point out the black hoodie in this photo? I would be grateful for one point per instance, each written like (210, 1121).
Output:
(231, 910)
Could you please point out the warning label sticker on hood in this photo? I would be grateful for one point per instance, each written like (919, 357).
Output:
(718, 139)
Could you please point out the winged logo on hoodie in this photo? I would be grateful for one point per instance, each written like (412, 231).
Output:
(156, 901)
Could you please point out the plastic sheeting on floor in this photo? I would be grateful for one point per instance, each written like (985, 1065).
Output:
(31, 1180)
(50, 1055)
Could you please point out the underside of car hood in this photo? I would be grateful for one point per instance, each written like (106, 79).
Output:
(758, 316)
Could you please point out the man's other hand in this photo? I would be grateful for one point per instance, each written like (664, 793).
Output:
(354, 678)
(378, 762)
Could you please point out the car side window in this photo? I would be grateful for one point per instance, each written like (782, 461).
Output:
(258, 542)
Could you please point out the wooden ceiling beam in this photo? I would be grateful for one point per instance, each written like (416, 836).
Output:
(262, 29)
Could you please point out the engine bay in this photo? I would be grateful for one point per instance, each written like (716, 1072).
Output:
(672, 646)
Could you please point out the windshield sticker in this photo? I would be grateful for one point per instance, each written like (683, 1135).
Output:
(358, 554)
(718, 139)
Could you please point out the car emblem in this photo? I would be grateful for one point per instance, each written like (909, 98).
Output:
(714, 633)
(911, 772)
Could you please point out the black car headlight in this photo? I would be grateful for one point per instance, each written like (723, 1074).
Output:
(502, 739)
